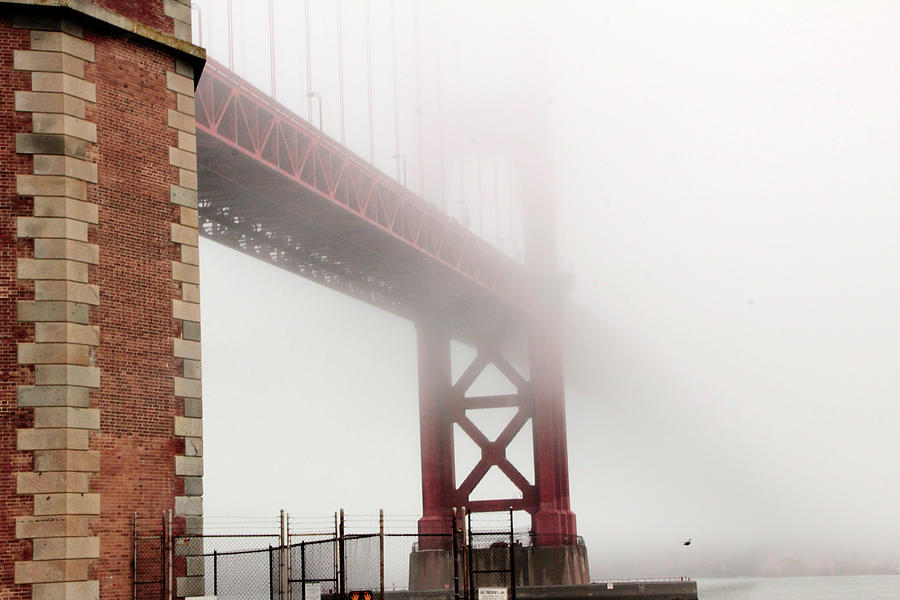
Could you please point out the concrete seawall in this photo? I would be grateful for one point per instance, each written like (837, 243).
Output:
(666, 590)
(651, 590)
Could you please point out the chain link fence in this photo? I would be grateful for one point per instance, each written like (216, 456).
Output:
(321, 564)
(314, 568)
(491, 558)
(149, 559)
(369, 566)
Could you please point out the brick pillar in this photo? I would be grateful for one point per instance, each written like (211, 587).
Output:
(99, 304)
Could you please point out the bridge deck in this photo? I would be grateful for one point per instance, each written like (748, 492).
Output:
(273, 186)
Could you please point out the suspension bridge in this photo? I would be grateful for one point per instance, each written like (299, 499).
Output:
(124, 144)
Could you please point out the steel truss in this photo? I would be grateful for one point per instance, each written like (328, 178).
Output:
(443, 403)
(274, 186)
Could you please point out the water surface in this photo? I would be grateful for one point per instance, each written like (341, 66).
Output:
(850, 587)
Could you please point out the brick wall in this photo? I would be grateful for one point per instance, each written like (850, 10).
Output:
(148, 12)
(168, 16)
(53, 299)
(136, 400)
(99, 369)
(12, 417)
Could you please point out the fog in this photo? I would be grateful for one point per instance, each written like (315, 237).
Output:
(725, 182)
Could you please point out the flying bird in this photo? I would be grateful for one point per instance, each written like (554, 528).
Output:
(688, 542)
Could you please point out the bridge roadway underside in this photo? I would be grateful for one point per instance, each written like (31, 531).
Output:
(272, 186)
(252, 209)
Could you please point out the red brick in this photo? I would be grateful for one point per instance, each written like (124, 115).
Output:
(136, 399)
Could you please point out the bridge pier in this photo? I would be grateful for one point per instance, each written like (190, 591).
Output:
(100, 413)
(556, 557)
(553, 522)
(435, 433)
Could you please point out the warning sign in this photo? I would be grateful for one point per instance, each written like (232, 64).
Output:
(491, 593)
(361, 595)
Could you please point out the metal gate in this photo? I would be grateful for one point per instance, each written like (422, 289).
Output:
(149, 562)
(491, 559)
(314, 563)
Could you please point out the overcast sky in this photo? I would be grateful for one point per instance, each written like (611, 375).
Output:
(727, 187)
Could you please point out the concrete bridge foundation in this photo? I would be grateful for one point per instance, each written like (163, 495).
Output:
(535, 566)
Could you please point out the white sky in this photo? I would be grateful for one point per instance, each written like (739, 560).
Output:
(727, 182)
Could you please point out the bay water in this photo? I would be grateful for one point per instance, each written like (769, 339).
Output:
(843, 587)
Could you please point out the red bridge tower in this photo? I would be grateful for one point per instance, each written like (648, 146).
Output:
(539, 398)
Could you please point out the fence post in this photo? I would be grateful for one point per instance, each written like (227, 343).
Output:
(512, 557)
(336, 546)
(381, 550)
(472, 590)
(454, 549)
(216, 572)
(271, 587)
(164, 544)
(162, 557)
(341, 561)
(465, 559)
(134, 559)
(303, 570)
(282, 570)
(171, 557)
(287, 559)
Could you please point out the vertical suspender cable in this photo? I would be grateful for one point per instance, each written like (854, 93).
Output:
(498, 234)
(199, 22)
(513, 233)
(272, 46)
(340, 42)
(460, 139)
(309, 94)
(480, 195)
(369, 81)
(418, 41)
(475, 95)
(396, 98)
(440, 108)
(230, 36)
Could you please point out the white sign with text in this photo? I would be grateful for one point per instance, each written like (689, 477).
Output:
(492, 593)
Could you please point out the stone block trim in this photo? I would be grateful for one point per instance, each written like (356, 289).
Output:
(188, 424)
(67, 547)
(62, 352)
(180, 12)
